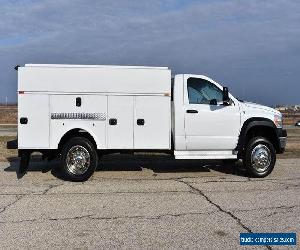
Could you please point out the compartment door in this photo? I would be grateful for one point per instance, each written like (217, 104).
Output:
(120, 122)
(34, 132)
(152, 123)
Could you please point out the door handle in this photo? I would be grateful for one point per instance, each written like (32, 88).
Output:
(113, 121)
(192, 111)
(140, 122)
(23, 120)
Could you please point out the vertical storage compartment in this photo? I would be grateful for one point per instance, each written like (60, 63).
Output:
(33, 121)
(84, 112)
(120, 122)
(152, 123)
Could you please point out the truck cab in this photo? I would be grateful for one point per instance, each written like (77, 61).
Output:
(86, 111)
(210, 123)
(207, 124)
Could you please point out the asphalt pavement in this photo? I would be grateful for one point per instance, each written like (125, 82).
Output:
(145, 202)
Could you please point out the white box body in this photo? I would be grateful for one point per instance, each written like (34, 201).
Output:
(47, 98)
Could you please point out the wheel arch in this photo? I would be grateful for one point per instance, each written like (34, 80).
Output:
(257, 126)
(74, 133)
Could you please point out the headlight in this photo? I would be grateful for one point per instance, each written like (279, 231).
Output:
(278, 121)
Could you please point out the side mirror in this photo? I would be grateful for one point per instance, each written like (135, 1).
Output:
(226, 99)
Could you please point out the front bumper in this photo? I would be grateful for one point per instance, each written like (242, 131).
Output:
(282, 137)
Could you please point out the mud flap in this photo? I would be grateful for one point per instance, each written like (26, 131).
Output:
(12, 144)
(24, 161)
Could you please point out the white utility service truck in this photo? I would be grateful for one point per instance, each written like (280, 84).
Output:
(78, 113)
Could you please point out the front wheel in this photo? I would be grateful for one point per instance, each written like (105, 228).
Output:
(78, 159)
(259, 157)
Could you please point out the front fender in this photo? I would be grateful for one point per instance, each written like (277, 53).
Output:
(254, 122)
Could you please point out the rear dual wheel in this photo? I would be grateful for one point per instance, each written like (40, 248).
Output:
(78, 159)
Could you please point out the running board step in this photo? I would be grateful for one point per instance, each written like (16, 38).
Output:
(205, 154)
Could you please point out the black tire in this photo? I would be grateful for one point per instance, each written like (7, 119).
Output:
(88, 150)
(250, 165)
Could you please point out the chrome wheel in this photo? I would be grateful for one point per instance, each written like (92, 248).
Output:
(78, 160)
(261, 157)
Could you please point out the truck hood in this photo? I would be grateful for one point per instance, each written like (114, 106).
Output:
(251, 105)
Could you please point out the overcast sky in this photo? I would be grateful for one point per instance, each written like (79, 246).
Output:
(253, 47)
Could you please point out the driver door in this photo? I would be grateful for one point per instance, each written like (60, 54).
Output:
(209, 124)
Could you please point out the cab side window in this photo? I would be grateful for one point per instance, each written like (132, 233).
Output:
(201, 91)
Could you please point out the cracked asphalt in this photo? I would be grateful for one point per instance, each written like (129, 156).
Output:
(146, 202)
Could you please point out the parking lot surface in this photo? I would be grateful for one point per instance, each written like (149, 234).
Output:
(146, 202)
